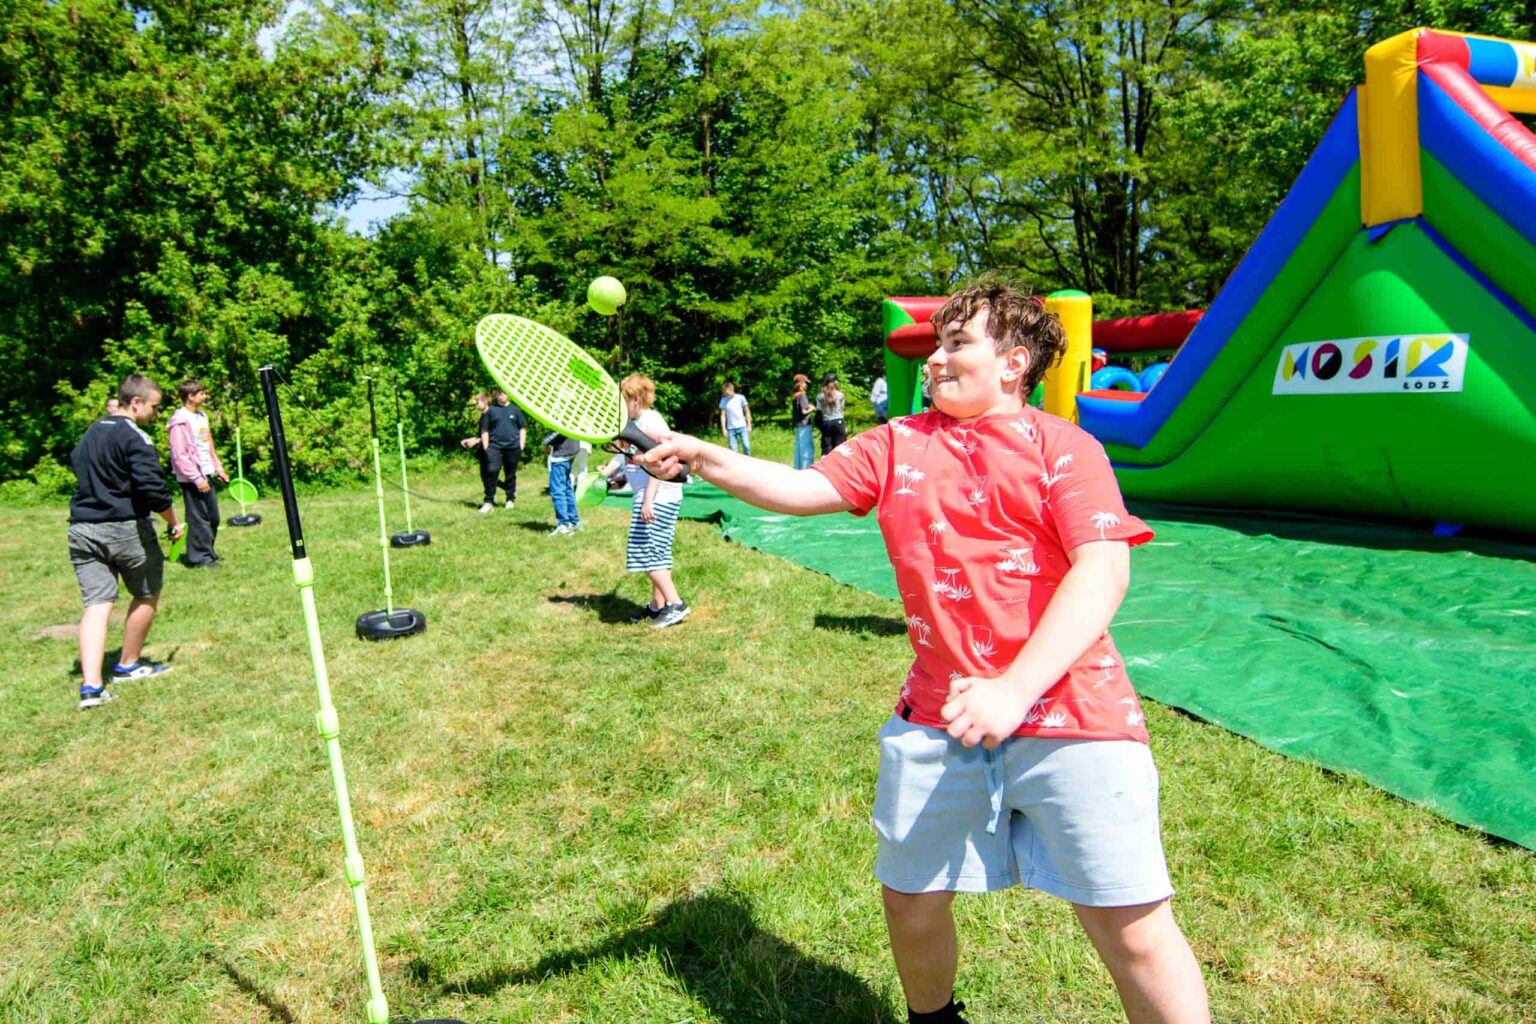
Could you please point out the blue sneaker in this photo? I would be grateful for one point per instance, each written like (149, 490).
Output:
(138, 670)
(92, 698)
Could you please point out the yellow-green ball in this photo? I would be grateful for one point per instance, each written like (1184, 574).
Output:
(605, 294)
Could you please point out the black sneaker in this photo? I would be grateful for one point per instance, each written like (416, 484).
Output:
(138, 670)
(644, 613)
(95, 698)
(671, 615)
(944, 1015)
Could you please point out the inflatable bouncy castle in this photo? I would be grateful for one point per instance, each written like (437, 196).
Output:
(1374, 353)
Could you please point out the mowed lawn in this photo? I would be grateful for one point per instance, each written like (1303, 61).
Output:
(566, 818)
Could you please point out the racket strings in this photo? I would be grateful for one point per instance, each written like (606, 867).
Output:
(551, 377)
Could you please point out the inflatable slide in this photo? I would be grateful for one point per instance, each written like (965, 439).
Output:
(1374, 353)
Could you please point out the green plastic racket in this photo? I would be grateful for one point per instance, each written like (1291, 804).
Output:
(558, 383)
(243, 491)
(591, 489)
(177, 548)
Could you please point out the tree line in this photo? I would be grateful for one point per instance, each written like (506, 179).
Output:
(173, 173)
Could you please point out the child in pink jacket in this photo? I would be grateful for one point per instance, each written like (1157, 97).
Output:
(194, 461)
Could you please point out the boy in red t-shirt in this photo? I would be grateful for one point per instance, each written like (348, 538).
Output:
(1017, 753)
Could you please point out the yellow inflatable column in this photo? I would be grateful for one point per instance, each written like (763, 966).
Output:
(1390, 184)
(1069, 378)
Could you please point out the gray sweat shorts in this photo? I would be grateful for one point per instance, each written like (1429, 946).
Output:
(1074, 818)
(101, 552)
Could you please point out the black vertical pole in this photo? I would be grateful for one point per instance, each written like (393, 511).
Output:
(280, 458)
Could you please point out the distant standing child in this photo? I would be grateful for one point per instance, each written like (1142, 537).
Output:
(829, 406)
(562, 492)
(653, 514)
(119, 483)
(503, 433)
(482, 403)
(1017, 751)
(735, 419)
(194, 461)
(879, 396)
(800, 411)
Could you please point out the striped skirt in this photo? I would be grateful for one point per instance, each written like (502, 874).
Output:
(650, 544)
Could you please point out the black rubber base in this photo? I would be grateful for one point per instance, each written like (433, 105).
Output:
(380, 625)
(246, 520)
(410, 539)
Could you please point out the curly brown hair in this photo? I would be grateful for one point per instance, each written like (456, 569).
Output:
(1013, 320)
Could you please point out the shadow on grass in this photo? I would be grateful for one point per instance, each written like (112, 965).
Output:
(713, 946)
(877, 625)
(610, 607)
(110, 660)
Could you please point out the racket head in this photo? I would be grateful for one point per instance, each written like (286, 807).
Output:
(591, 489)
(242, 490)
(177, 549)
(551, 377)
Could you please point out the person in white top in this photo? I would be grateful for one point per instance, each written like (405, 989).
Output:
(878, 397)
(735, 419)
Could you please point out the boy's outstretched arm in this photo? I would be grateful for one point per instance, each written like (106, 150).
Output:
(769, 485)
(987, 711)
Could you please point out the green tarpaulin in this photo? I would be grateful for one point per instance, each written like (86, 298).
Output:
(1406, 658)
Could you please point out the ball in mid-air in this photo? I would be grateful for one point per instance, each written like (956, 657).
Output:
(605, 294)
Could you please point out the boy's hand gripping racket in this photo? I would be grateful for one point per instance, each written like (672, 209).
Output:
(557, 383)
(178, 543)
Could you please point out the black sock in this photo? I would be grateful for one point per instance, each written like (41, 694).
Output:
(946, 1014)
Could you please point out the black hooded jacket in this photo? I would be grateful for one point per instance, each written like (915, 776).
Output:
(118, 475)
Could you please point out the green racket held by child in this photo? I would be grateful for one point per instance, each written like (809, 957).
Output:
(558, 383)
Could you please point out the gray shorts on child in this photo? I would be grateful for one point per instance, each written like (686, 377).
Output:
(101, 552)
(1074, 818)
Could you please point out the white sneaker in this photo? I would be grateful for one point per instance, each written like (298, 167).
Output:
(510, 505)
(486, 508)
(561, 531)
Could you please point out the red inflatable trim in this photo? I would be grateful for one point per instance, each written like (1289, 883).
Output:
(1145, 333)
(1496, 121)
(919, 308)
(1434, 46)
(914, 341)
(1116, 396)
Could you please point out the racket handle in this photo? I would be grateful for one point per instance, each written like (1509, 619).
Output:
(632, 434)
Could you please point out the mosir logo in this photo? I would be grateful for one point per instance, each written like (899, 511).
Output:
(1408, 363)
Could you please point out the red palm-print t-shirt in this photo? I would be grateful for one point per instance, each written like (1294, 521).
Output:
(978, 518)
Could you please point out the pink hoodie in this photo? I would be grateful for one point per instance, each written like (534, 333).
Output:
(184, 449)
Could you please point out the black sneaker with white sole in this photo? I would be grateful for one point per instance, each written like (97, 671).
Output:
(671, 615)
(95, 698)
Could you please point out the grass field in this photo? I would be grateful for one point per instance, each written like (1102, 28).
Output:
(566, 818)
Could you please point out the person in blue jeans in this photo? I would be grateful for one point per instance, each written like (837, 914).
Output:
(800, 413)
(735, 419)
(562, 494)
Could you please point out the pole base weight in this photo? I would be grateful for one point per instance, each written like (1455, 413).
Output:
(410, 539)
(250, 519)
(380, 625)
